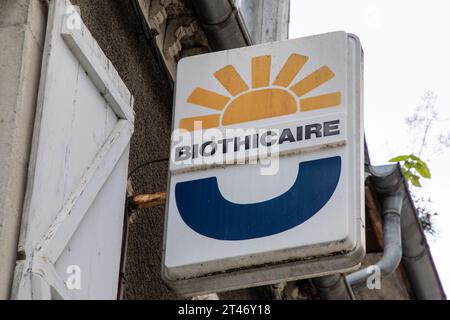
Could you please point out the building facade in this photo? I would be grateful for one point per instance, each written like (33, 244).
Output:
(144, 40)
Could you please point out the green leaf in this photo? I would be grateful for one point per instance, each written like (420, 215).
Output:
(420, 161)
(408, 164)
(415, 181)
(411, 165)
(399, 158)
(423, 170)
(408, 176)
(421, 167)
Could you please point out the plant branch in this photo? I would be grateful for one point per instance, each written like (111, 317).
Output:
(424, 138)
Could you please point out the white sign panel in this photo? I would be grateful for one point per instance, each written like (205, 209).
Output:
(266, 172)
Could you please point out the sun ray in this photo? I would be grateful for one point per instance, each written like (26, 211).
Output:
(231, 80)
(261, 101)
(207, 122)
(208, 99)
(290, 70)
(261, 71)
(313, 81)
(321, 102)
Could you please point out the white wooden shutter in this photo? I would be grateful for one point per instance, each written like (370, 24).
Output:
(74, 207)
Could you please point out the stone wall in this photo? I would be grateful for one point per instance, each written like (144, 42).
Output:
(22, 33)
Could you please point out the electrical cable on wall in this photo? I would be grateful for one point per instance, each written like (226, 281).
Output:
(145, 164)
(150, 37)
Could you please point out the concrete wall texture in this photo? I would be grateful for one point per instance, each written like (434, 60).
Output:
(22, 31)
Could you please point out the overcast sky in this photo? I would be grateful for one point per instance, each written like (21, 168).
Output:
(407, 53)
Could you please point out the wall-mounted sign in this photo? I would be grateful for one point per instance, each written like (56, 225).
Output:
(266, 172)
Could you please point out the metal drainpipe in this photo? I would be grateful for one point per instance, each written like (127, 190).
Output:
(388, 183)
(222, 24)
(392, 245)
(333, 287)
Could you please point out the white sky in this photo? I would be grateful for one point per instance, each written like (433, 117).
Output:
(407, 52)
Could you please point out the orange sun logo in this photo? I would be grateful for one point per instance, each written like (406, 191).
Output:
(262, 101)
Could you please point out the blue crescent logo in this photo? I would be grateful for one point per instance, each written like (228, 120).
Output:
(207, 212)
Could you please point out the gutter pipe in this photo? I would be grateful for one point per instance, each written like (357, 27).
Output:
(388, 183)
(222, 23)
(404, 240)
(333, 287)
(417, 259)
